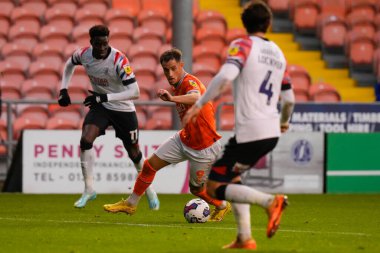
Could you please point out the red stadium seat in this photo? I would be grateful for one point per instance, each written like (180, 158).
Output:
(305, 15)
(121, 19)
(211, 37)
(204, 72)
(145, 75)
(26, 33)
(89, 16)
(69, 50)
(12, 72)
(17, 52)
(280, 7)
(301, 79)
(80, 35)
(140, 54)
(159, 120)
(154, 19)
(211, 19)
(10, 89)
(333, 32)
(100, 6)
(360, 48)
(227, 121)
(367, 7)
(46, 70)
(61, 123)
(148, 37)
(37, 6)
(4, 27)
(206, 55)
(235, 33)
(141, 118)
(132, 6)
(61, 14)
(163, 5)
(163, 48)
(27, 122)
(120, 38)
(323, 92)
(336, 7)
(21, 15)
(30, 86)
(48, 50)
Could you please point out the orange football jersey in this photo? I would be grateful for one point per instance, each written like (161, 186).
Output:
(201, 133)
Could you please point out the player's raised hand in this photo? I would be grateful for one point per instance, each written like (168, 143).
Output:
(64, 98)
(164, 95)
(191, 114)
(95, 98)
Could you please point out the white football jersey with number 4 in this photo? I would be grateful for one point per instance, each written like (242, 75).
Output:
(257, 88)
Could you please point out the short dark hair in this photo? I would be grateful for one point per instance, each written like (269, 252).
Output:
(171, 54)
(99, 30)
(256, 16)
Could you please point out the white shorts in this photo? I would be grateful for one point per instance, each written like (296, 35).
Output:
(174, 151)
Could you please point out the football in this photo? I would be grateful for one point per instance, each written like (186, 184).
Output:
(196, 211)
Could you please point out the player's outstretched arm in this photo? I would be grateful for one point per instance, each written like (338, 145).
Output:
(64, 98)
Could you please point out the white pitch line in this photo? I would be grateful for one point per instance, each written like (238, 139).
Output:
(180, 226)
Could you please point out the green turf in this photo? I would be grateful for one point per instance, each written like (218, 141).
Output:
(312, 223)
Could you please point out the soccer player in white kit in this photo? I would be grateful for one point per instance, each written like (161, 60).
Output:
(258, 68)
(114, 86)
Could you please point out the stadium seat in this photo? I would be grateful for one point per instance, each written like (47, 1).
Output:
(69, 50)
(160, 76)
(159, 120)
(57, 122)
(27, 122)
(132, 6)
(154, 19)
(163, 48)
(227, 121)
(91, 17)
(120, 38)
(80, 34)
(206, 55)
(17, 52)
(37, 6)
(235, 33)
(148, 37)
(26, 33)
(376, 63)
(12, 72)
(140, 54)
(30, 86)
(204, 72)
(211, 19)
(360, 49)
(4, 27)
(301, 80)
(141, 118)
(121, 19)
(6, 9)
(211, 37)
(336, 7)
(333, 32)
(163, 6)
(323, 92)
(10, 89)
(361, 23)
(61, 14)
(46, 70)
(145, 75)
(55, 35)
(279, 7)
(100, 6)
(24, 16)
(364, 7)
(305, 16)
(49, 50)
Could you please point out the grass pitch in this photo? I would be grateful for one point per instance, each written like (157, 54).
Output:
(312, 223)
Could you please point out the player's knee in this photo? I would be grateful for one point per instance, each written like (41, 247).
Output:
(85, 144)
(134, 152)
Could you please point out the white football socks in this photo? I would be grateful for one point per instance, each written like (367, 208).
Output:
(243, 219)
(87, 163)
(237, 193)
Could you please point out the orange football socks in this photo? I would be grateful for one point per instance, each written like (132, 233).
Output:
(144, 179)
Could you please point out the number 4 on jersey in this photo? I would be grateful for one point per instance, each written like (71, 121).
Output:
(265, 88)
